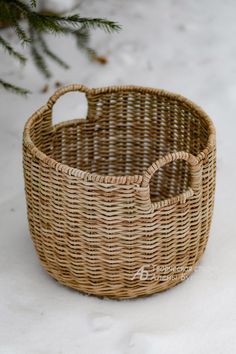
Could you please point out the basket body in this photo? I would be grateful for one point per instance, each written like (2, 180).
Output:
(120, 203)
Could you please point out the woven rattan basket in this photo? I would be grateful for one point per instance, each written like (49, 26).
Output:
(120, 203)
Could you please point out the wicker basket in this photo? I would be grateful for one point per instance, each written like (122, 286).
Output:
(120, 203)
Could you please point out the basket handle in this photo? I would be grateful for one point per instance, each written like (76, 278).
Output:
(195, 183)
(69, 88)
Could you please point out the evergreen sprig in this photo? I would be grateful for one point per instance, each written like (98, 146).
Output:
(13, 88)
(11, 51)
(49, 53)
(30, 27)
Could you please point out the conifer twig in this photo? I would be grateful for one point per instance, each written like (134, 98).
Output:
(11, 51)
(14, 88)
(30, 27)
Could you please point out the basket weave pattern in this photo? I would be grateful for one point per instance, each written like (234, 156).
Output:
(120, 203)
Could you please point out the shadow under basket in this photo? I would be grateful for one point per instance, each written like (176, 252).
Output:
(120, 203)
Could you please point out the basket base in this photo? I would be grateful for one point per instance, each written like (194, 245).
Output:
(122, 293)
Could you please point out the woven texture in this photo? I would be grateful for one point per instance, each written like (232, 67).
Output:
(120, 203)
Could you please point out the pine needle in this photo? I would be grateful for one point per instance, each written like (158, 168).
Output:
(30, 27)
(40, 62)
(33, 3)
(21, 34)
(104, 24)
(50, 54)
(13, 88)
(11, 51)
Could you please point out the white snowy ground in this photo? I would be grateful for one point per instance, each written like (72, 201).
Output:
(184, 46)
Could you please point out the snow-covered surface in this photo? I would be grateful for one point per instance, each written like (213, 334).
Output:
(184, 46)
(60, 5)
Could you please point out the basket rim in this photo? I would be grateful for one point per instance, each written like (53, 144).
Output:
(109, 179)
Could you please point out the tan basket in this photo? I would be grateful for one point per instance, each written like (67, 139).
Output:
(120, 203)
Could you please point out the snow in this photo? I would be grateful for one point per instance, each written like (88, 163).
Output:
(60, 5)
(184, 46)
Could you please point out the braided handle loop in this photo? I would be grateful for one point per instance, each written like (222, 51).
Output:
(61, 91)
(196, 177)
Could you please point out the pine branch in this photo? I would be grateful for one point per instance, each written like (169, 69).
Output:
(36, 55)
(101, 23)
(82, 39)
(49, 23)
(6, 12)
(13, 88)
(83, 35)
(20, 7)
(30, 26)
(21, 33)
(33, 3)
(11, 51)
(10, 16)
(49, 53)
(55, 23)
(40, 62)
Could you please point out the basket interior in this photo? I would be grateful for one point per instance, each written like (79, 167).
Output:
(126, 132)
